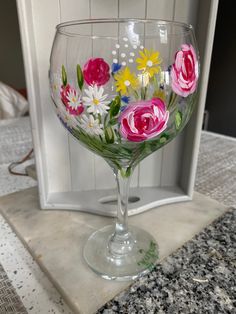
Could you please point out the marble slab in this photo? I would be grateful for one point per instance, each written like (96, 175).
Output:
(56, 240)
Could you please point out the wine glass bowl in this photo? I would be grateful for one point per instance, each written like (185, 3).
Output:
(123, 89)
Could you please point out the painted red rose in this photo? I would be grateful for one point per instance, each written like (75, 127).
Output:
(96, 72)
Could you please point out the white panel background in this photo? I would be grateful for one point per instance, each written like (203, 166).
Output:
(58, 176)
(62, 164)
(82, 169)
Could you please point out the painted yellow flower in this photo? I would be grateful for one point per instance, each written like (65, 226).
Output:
(124, 80)
(149, 62)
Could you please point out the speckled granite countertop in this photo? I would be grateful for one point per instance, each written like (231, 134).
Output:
(200, 277)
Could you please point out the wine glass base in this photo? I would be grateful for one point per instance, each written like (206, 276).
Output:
(138, 261)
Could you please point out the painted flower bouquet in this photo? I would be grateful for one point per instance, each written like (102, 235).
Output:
(137, 108)
(123, 97)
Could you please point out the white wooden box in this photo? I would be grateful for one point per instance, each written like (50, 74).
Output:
(71, 177)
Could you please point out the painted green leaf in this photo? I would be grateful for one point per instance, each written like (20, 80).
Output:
(143, 92)
(64, 75)
(164, 137)
(118, 138)
(162, 140)
(109, 135)
(113, 121)
(178, 120)
(149, 256)
(125, 173)
(128, 172)
(80, 77)
(115, 107)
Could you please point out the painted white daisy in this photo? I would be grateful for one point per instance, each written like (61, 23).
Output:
(90, 125)
(74, 104)
(95, 100)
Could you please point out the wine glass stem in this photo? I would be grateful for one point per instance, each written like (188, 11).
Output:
(121, 242)
(123, 184)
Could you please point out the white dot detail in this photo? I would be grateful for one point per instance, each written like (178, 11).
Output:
(127, 83)
(149, 63)
(131, 54)
(114, 52)
(141, 47)
(117, 46)
(135, 46)
(125, 38)
(123, 63)
(123, 55)
(115, 61)
(131, 60)
(126, 45)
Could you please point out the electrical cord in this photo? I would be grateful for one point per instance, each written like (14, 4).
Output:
(16, 163)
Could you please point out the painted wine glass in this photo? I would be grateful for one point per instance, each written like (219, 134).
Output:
(123, 89)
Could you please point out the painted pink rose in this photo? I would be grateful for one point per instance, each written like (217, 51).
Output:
(96, 71)
(72, 100)
(184, 72)
(143, 120)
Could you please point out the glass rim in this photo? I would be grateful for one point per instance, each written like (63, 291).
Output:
(60, 26)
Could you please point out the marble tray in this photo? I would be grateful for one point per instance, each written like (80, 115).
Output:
(56, 239)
